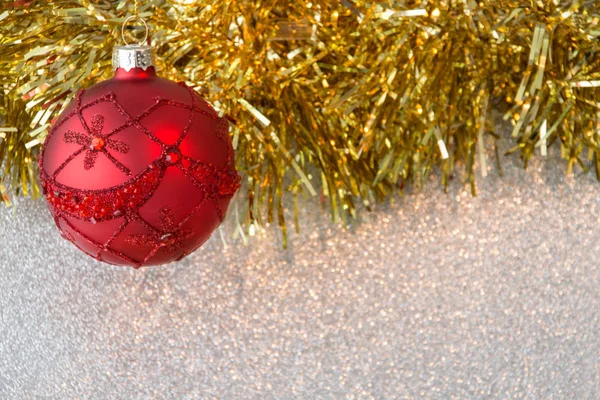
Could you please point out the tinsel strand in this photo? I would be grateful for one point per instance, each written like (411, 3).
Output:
(348, 101)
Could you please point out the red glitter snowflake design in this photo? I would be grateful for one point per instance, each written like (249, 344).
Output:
(95, 142)
(169, 237)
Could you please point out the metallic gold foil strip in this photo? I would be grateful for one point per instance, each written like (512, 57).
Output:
(259, 116)
(406, 78)
(480, 144)
(4, 194)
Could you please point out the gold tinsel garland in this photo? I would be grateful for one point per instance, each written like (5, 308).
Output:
(351, 99)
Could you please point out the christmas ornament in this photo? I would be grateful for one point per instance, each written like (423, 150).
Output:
(138, 170)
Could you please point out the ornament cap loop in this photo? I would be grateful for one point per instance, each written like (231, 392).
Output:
(134, 17)
(133, 56)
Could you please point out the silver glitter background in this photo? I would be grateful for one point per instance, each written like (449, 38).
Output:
(433, 296)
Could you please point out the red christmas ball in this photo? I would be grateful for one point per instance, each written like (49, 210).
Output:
(138, 170)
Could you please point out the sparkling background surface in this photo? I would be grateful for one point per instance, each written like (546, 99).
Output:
(435, 296)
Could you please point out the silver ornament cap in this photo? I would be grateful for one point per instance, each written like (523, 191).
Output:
(133, 56)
